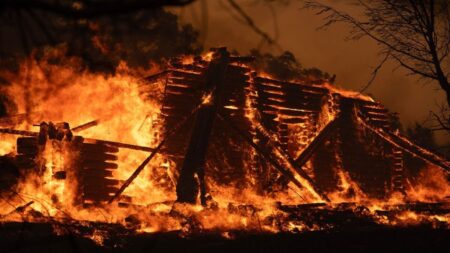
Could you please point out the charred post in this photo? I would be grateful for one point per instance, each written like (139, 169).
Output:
(192, 173)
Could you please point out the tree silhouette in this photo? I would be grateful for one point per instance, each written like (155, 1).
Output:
(285, 67)
(413, 33)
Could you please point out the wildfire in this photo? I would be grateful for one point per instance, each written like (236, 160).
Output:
(127, 109)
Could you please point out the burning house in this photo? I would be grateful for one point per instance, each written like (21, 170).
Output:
(221, 140)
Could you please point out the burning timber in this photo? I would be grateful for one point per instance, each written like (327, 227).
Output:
(232, 151)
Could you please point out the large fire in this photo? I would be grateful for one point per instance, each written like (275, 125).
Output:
(127, 109)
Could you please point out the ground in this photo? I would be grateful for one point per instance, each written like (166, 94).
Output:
(41, 237)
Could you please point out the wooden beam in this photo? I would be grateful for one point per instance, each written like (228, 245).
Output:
(271, 153)
(152, 154)
(85, 126)
(406, 145)
(18, 132)
(191, 178)
(314, 144)
(118, 144)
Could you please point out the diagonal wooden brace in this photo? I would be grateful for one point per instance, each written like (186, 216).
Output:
(271, 153)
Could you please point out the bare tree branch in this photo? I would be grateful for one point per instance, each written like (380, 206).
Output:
(415, 32)
(442, 123)
(375, 71)
(252, 24)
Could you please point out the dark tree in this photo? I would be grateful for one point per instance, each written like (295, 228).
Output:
(422, 136)
(138, 38)
(413, 33)
(285, 67)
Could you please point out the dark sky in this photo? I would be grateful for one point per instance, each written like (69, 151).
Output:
(351, 61)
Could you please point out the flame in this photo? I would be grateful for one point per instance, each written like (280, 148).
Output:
(348, 190)
(206, 99)
(431, 186)
(347, 93)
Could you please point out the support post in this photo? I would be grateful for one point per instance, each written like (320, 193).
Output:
(191, 179)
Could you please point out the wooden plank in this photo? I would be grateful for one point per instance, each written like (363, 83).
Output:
(298, 93)
(293, 85)
(90, 181)
(93, 148)
(371, 109)
(96, 173)
(193, 84)
(186, 75)
(85, 126)
(98, 165)
(99, 190)
(179, 90)
(91, 157)
(237, 70)
(191, 67)
(292, 105)
(290, 111)
(118, 144)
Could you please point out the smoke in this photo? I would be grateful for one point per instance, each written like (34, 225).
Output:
(328, 50)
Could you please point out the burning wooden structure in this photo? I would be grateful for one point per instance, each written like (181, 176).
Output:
(299, 129)
(225, 123)
(265, 158)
